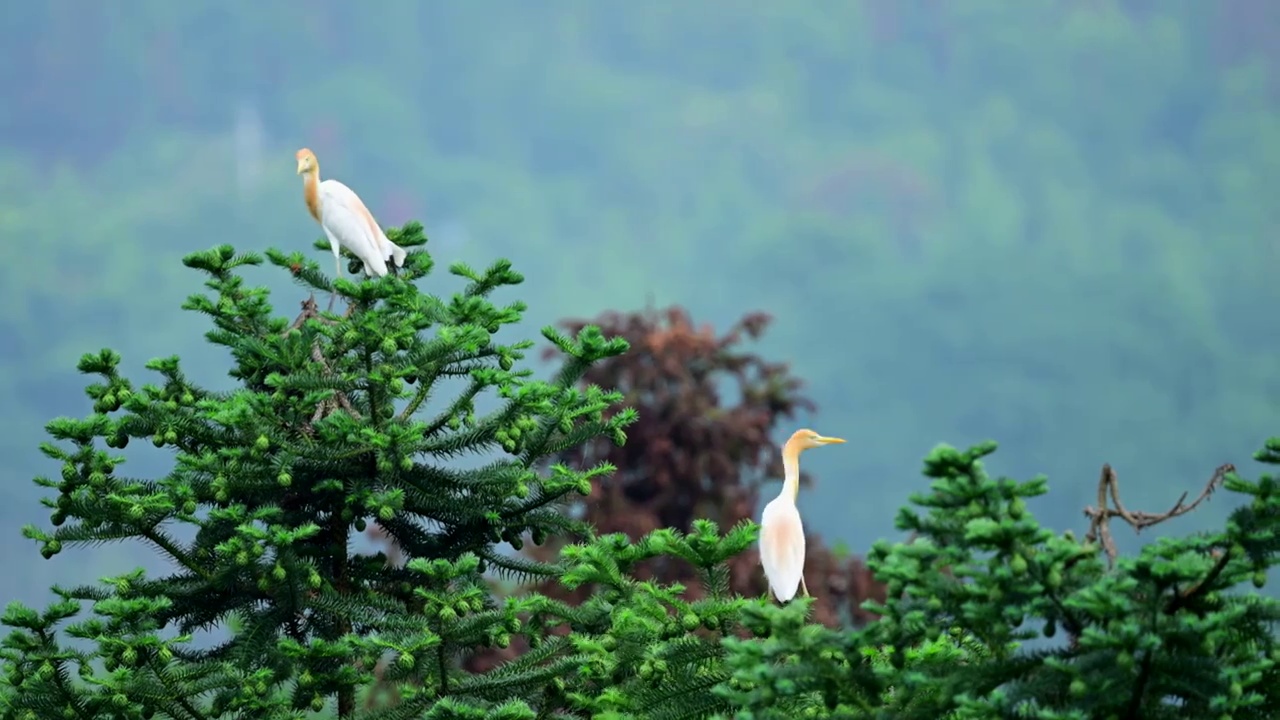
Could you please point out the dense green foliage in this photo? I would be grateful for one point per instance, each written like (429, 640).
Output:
(330, 427)
(332, 424)
(1165, 634)
(1047, 222)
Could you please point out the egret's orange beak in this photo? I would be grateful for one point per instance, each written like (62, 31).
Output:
(830, 440)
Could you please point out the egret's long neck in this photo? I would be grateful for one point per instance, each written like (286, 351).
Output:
(791, 472)
(311, 191)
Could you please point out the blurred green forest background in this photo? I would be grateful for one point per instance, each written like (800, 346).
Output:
(1046, 222)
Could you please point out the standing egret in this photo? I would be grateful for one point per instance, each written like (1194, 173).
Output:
(345, 220)
(781, 532)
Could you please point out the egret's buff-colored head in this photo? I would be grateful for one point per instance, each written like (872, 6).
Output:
(306, 161)
(805, 439)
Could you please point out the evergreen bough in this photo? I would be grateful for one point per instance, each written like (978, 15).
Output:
(646, 651)
(989, 615)
(1172, 632)
(328, 429)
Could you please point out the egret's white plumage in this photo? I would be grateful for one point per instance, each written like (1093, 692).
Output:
(781, 531)
(345, 220)
(782, 547)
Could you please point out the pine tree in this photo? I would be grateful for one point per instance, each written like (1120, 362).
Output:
(1168, 633)
(335, 420)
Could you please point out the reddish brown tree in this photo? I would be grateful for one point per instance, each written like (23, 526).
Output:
(702, 448)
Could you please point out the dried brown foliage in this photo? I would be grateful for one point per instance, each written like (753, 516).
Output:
(701, 448)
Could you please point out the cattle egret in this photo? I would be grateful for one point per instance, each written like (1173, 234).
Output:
(345, 220)
(781, 532)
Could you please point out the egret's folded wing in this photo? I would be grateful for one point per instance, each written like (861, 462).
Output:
(782, 549)
(350, 222)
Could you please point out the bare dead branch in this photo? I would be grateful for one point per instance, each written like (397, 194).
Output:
(308, 311)
(1100, 516)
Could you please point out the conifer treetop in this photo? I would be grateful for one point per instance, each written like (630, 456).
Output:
(335, 420)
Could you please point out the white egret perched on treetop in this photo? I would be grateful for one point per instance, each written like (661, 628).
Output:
(345, 220)
(781, 532)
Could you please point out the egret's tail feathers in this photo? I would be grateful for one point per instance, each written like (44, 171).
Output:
(374, 265)
(398, 254)
(783, 595)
